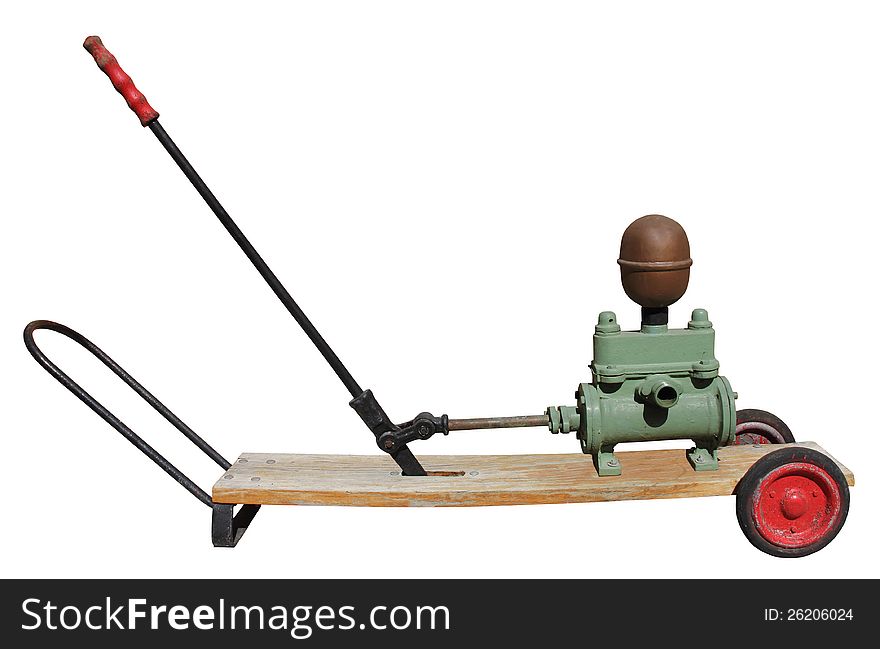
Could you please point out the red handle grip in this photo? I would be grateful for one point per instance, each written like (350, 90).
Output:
(121, 81)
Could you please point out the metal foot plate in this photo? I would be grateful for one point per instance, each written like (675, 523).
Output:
(226, 528)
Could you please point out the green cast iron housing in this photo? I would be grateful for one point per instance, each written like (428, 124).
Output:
(649, 385)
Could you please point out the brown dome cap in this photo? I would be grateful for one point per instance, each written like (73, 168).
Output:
(655, 261)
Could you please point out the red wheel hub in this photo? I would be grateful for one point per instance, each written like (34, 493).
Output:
(796, 504)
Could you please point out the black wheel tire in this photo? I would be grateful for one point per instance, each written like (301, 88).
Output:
(778, 433)
(751, 487)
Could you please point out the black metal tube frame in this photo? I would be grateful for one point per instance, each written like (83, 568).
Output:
(114, 421)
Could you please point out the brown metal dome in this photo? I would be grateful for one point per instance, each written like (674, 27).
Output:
(655, 261)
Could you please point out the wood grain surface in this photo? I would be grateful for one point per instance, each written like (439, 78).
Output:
(478, 480)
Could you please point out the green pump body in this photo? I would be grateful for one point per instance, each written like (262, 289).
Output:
(649, 385)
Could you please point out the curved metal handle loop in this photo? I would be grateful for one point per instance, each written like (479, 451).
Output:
(109, 417)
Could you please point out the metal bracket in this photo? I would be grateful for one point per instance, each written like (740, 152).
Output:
(424, 426)
(606, 462)
(392, 438)
(703, 459)
(226, 529)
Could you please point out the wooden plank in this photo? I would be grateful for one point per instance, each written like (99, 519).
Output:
(375, 480)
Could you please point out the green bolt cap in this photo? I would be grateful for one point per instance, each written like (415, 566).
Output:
(699, 319)
(607, 323)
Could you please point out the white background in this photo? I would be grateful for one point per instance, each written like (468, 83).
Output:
(442, 186)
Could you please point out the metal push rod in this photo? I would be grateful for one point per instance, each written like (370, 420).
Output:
(255, 258)
(523, 421)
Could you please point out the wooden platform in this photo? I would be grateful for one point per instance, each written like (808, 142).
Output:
(477, 480)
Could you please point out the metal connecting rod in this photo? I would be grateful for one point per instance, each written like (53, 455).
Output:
(523, 421)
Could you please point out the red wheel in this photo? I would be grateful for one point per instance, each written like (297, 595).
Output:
(760, 427)
(792, 502)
